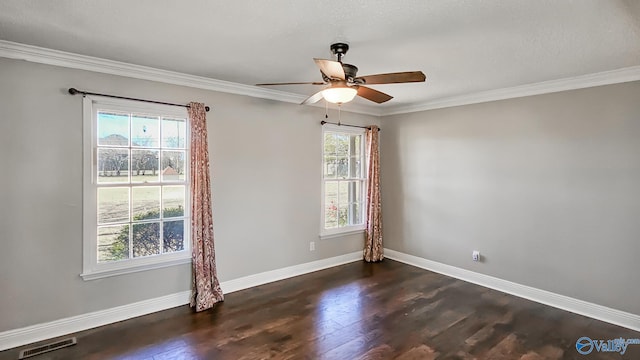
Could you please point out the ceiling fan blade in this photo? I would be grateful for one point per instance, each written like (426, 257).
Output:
(293, 83)
(373, 95)
(332, 69)
(312, 99)
(393, 78)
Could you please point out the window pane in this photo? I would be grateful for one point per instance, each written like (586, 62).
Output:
(355, 167)
(356, 214)
(356, 145)
(342, 167)
(342, 145)
(330, 170)
(113, 129)
(113, 165)
(113, 243)
(145, 131)
(343, 203)
(173, 201)
(173, 133)
(146, 239)
(329, 144)
(173, 236)
(146, 202)
(173, 165)
(355, 202)
(331, 205)
(355, 194)
(331, 190)
(343, 218)
(145, 166)
(113, 205)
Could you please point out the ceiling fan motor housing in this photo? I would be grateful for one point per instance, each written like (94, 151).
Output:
(350, 72)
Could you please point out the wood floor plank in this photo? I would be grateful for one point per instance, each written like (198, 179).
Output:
(386, 310)
(420, 352)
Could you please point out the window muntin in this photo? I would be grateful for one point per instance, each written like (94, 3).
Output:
(343, 180)
(136, 187)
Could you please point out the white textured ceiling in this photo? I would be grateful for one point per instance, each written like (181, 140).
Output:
(462, 46)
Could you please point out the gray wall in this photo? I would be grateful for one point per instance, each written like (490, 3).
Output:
(547, 188)
(265, 177)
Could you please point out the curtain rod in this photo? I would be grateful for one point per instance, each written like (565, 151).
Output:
(339, 124)
(74, 91)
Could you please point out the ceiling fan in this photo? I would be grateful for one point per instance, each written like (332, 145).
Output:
(342, 84)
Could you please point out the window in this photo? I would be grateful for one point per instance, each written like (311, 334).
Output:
(344, 180)
(136, 187)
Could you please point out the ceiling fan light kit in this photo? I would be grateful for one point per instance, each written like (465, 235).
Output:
(339, 95)
(343, 84)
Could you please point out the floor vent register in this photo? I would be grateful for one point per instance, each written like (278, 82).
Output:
(47, 347)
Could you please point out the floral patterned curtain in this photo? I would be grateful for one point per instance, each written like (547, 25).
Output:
(373, 250)
(205, 290)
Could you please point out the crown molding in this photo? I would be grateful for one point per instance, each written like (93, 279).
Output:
(571, 83)
(13, 50)
(17, 51)
(41, 55)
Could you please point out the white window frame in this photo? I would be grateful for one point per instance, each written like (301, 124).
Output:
(353, 229)
(91, 268)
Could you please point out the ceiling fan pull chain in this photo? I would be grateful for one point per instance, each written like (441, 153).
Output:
(326, 109)
(339, 113)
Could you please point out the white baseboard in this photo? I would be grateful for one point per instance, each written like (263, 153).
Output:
(30, 334)
(284, 273)
(595, 311)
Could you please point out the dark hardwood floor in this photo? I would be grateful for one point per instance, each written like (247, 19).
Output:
(387, 310)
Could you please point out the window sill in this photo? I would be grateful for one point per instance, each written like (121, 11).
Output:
(342, 233)
(103, 273)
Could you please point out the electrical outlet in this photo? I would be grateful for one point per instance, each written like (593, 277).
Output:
(312, 246)
(476, 255)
